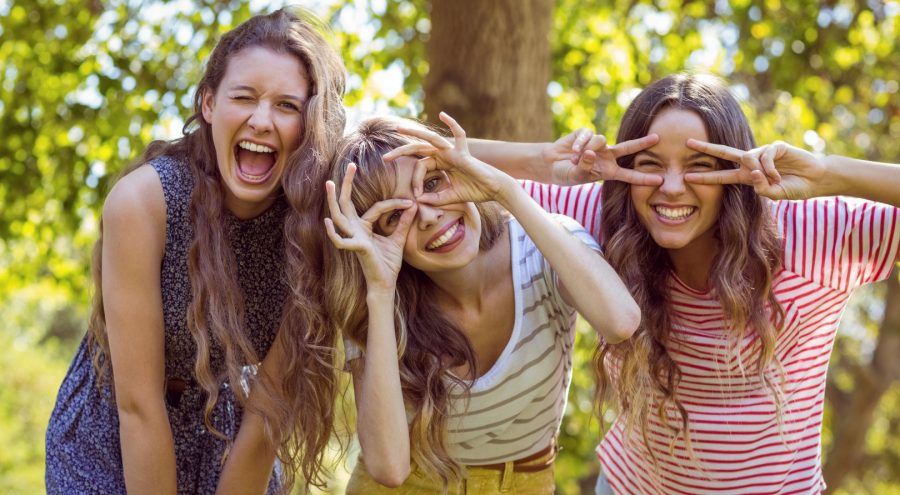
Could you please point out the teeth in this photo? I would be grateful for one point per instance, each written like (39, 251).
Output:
(440, 241)
(675, 213)
(257, 148)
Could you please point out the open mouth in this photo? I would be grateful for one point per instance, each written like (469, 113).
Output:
(674, 215)
(449, 238)
(255, 162)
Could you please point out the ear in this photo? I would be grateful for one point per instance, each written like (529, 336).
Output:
(207, 102)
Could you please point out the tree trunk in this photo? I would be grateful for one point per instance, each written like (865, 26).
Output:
(490, 66)
(853, 411)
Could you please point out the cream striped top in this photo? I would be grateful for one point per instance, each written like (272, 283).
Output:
(515, 409)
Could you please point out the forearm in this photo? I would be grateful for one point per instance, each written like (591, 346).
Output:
(252, 457)
(862, 179)
(250, 461)
(520, 160)
(382, 426)
(148, 453)
(593, 287)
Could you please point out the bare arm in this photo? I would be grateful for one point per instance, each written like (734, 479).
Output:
(381, 413)
(861, 179)
(252, 458)
(134, 232)
(586, 280)
(520, 160)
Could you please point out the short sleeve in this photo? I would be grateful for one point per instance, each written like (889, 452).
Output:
(581, 202)
(839, 242)
(351, 351)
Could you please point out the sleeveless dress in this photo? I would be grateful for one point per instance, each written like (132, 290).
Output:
(83, 449)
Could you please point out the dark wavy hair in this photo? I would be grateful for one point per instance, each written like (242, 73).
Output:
(298, 406)
(638, 375)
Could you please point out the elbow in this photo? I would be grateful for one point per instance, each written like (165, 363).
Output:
(391, 475)
(623, 326)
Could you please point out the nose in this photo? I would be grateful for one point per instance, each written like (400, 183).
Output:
(673, 183)
(428, 216)
(261, 119)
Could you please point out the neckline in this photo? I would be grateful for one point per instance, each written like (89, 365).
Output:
(705, 294)
(488, 378)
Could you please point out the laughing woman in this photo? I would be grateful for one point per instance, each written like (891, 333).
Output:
(458, 320)
(742, 260)
(193, 277)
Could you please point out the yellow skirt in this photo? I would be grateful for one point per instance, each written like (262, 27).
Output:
(480, 481)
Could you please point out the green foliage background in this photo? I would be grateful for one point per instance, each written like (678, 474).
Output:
(85, 86)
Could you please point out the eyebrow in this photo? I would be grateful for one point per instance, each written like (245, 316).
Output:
(689, 158)
(243, 87)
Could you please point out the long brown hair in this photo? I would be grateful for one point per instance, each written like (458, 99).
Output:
(639, 375)
(298, 406)
(429, 344)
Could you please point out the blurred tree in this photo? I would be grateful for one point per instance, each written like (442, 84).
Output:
(489, 67)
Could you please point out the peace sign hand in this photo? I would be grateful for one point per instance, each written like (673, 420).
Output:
(470, 179)
(583, 156)
(380, 256)
(776, 171)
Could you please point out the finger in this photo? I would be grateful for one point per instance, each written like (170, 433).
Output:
(588, 159)
(582, 136)
(720, 177)
(439, 198)
(426, 135)
(418, 176)
(404, 224)
(420, 149)
(459, 134)
(338, 241)
(334, 209)
(761, 184)
(344, 199)
(632, 146)
(768, 162)
(717, 150)
(636, 178)
(750, 161)
(596, 143)
(380, 208)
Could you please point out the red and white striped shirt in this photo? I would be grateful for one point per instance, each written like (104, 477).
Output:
(831, 247)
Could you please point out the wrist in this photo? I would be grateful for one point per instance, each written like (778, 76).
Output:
(380, 293)
(506, 193)
(541, 168)
(834, 181)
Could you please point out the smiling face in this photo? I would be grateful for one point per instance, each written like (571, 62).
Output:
(256, 119)
(441, 237)
(678, 215)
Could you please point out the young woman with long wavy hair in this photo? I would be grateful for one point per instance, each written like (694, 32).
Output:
(210, 248)
(742, 259)
(458, 321)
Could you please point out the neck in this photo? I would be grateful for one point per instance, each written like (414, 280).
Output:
(693, 262)
(466, 287)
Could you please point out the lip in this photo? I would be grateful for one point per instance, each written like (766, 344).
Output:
(454, 241)
(248, 179)
(668, 221)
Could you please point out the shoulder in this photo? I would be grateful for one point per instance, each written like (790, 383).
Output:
(136, 200)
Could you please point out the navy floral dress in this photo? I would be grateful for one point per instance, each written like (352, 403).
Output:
(83, 450)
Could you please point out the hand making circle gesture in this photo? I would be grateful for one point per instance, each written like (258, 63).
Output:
(470, 179)
(582, 156)
(776, 171)
(380, 256)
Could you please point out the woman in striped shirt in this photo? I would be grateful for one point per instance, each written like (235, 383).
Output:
(742, 262)
(458, 321)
